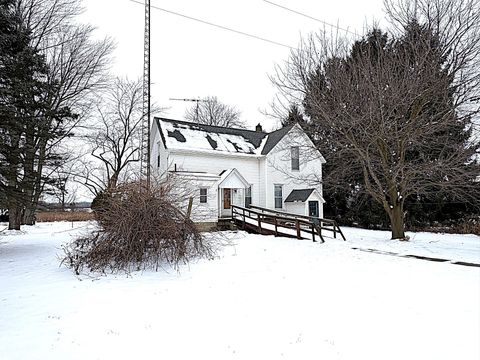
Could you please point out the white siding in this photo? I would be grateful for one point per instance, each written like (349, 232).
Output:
(261, 185)
(216, 163)
(279, 168)
(156, 146)
(189, 186)
(205, 212)
(296, 208)
(262, 172)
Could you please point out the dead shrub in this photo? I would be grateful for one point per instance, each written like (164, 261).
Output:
(463, 226)
(471, 226)
(138, 229)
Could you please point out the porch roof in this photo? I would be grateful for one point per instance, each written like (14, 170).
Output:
(299, 195)
(231, 178)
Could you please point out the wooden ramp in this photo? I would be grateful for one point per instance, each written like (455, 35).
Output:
(271, 222)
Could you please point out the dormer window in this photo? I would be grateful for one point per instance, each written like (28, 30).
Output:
(295, 154)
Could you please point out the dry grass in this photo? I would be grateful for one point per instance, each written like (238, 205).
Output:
(49, 216)
(470, 226)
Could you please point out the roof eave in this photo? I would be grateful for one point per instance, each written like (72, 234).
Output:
(214, 152)
(160, 130)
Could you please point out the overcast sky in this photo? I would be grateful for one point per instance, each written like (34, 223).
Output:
(194, 60)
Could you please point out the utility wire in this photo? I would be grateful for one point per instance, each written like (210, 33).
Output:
(310, 17)
(217, 26)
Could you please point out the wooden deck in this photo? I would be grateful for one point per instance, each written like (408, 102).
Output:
(271, 222)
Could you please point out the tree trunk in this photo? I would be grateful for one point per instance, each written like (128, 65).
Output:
(33, 185)
(397, 222)
(29, 216)
(112, 182)
(14, 216)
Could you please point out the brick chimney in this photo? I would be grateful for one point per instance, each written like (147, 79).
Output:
(258, 128)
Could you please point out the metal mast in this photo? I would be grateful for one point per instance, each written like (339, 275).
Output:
(145, 147)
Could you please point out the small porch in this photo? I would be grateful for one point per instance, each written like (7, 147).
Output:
(232, 188)
(306, 202)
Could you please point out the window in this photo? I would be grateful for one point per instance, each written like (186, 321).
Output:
(248, 196)
(203, 195)
(278, 196)
(158, 155)
(295, 153)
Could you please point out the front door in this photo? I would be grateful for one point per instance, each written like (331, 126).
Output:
(313, 208)
(226, 203)
(227, 198)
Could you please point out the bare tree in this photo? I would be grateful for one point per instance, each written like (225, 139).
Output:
(62, 187)
(211, 111)
(76, 68)
(114, 136)
(387, 107)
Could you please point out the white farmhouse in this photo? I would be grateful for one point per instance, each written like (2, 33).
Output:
(279, 170)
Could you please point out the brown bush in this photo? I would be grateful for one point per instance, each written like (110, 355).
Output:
(471, 226)
(49, 216)
(463, 226)
(138, 229)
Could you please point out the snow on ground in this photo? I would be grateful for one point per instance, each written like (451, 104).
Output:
(263, 298)
(455, 247)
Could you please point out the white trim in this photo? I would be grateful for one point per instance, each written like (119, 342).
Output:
(317, 193)
(195, 175)
(215, 153)
(229, 173)
(275, 196)
(205, 196)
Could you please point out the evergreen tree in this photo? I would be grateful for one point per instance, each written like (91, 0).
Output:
(294, 116)
(25, 113)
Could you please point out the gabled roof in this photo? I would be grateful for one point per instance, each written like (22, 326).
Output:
(185, 135)
(299, 195)
(231, 176)
(274, 138)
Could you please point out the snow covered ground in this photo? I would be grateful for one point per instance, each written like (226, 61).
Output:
(263, 298)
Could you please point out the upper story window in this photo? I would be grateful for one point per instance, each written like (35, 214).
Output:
(278, 195)
(295, 154)
(158, 155)
(203, 195)
(248, 196)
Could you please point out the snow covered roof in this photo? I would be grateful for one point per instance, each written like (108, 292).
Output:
(191, 136)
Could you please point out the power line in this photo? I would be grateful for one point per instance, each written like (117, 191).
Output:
(218, 26)
(310, 17)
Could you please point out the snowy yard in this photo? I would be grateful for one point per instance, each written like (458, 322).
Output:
(263, 298)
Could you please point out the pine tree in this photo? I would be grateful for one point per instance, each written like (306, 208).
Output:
(25, 113)
(294, 116)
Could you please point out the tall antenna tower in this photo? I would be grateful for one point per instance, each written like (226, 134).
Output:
(145, 146)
